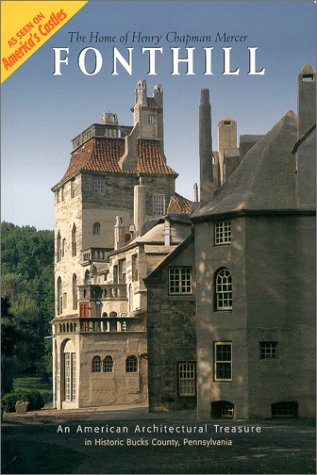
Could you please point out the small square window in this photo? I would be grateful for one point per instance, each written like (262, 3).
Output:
(268, 350)
(180, 280)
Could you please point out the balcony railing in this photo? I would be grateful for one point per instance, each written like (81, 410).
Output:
(95, 254)
(96, 325)
(114, 291)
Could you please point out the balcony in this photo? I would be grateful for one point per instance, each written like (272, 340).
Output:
(94, 254)
(114, 291)
(99, 325)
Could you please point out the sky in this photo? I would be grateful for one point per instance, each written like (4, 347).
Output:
(42, 112)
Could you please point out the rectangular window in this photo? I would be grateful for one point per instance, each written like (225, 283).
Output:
(64, 300)
(180, 280)
(222, 233)
(150, 119)
(122, 271)
(99, 185)
(134, 262)
(158, 205)
(187, 379)
(115, 274)
(268, 350)
(223, 361)
(70, 376)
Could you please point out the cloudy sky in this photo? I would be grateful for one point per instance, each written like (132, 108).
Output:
(41, 112)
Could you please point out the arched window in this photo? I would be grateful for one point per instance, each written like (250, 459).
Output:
(108, 364)
(74, 287)
(87, 280)
(131, 364)
(96, 228)
(96, 364)
(63, 247)
(58, 247)
(59, 296)
(74, 239)
(223, 288)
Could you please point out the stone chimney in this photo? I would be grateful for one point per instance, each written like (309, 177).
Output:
(167, 231)
(195, 193)
(305, 149)
(205, 149)
(139, 207)
(119, 236)
(306, 99)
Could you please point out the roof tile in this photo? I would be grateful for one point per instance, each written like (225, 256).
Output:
(101, 154)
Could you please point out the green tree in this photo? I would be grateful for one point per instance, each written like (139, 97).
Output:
(28, 283)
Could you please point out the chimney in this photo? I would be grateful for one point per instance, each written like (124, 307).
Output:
(205, 149)
(305, 149)
(119, 240)
(306, 99)
(195, 193)
(167, 231)
(139, 207)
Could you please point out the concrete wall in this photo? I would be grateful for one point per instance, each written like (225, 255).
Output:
(280, 268)
(272, 262)
(118, 387)
(221, 326)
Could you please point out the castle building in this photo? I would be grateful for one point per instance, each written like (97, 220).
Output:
(248, 275)
(175, 304)
(116, 182)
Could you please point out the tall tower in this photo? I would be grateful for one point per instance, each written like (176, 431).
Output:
(205, 149)
(109, 163)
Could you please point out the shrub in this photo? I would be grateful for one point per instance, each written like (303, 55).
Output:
(34, 397)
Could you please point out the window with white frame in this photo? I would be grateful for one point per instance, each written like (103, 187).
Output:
(99, 185)
(222, 231)
(180, 280)
(223, 361)
(187, 379)
(158, 205)
(268, 350)
(223, 290)
(70, 376)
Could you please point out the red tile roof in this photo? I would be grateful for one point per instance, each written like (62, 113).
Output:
(179, 205)
(150, 158)
(102, 154)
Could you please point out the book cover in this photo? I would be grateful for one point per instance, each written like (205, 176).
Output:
(158, 236)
